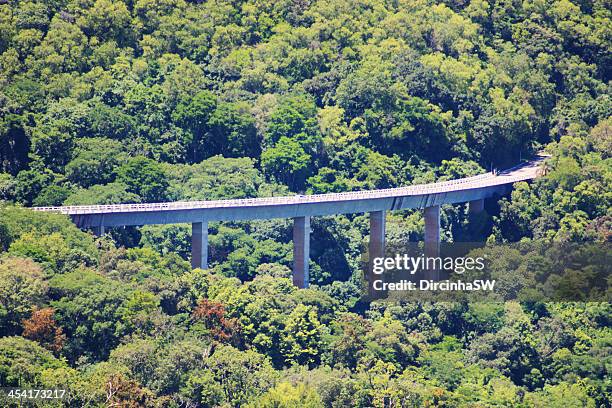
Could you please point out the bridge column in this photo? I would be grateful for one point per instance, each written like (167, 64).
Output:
(476, 206)
(432, 231)
(301, 251)
(376, 246)
(98, 231)
(199, 245)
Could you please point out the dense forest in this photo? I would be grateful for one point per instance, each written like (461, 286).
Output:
(110, 101)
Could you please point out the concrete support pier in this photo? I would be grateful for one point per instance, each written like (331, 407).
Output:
(98, 231)
(376, 246)
(199, 245)
(432, 231)
(301, 251)
(476, 206)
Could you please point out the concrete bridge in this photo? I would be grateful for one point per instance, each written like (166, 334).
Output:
(429, 197)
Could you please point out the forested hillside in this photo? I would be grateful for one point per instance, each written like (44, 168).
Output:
(105, 101)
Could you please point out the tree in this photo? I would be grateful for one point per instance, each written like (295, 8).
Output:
(140, 356)
(111, 193)
(288, 121)
(42, 328)
(62, 49)
(415, 127)
(139, 309)
(508, 121)
(212, 315)
(243, 260)
(457, 168)
(349, 345)
(510, 351)
(232, 129)
(107, 20)
(368, 86)
(194, 114)
(144, 177)
(7, 186)
(52, 146)
(601, 137)
(109, 123)
(94, 161)
(128, 393)
(285, 395)
(17, 222)
(381, 171)
(32, 15)
(182, 356)
(215, 178)
(29, 185)
(14, 144)
(50, 251)
(22, 289)
(231, 376)
(301, 337)
(53, 195)
(444, 363)
(167, 239)
(22, 362)
(389, 342)
(327, 181)
(569, 395)
(287, 163)
(89, 309)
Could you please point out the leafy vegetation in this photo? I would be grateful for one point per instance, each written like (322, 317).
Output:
(109, 101)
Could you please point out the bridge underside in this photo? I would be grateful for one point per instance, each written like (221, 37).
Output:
(263, 212)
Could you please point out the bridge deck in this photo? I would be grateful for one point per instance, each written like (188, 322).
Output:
(521, 172)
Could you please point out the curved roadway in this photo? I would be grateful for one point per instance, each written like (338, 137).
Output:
(414, 196)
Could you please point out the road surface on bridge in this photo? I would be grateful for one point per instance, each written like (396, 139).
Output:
(413, 196)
